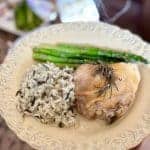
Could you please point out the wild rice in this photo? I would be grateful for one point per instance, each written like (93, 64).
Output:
(47, 93)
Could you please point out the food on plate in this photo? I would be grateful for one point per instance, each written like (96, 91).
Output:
(47, 93)
(105, 91)
(80, 54)
(98, 83)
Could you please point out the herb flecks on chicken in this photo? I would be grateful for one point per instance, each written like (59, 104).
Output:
(106, 107)
(108, 73)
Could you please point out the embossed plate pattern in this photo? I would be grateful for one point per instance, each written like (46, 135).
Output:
(124, 134)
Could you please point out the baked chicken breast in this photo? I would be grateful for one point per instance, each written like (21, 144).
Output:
(105, 91)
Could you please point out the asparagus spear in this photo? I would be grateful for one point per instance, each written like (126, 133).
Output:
(44, 58)
(70, 53)
(60, 52)
(91, 50)
(38, 57)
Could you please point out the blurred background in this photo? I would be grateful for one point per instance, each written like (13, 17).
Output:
(18, 17)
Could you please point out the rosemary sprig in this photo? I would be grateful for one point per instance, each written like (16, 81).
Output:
(110, 79)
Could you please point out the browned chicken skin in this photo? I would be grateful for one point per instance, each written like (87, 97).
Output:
(105, 94)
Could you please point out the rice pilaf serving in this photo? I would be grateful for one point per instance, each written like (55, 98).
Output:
(47, 93)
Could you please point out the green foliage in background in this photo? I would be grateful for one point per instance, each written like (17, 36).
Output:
(25, 18)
